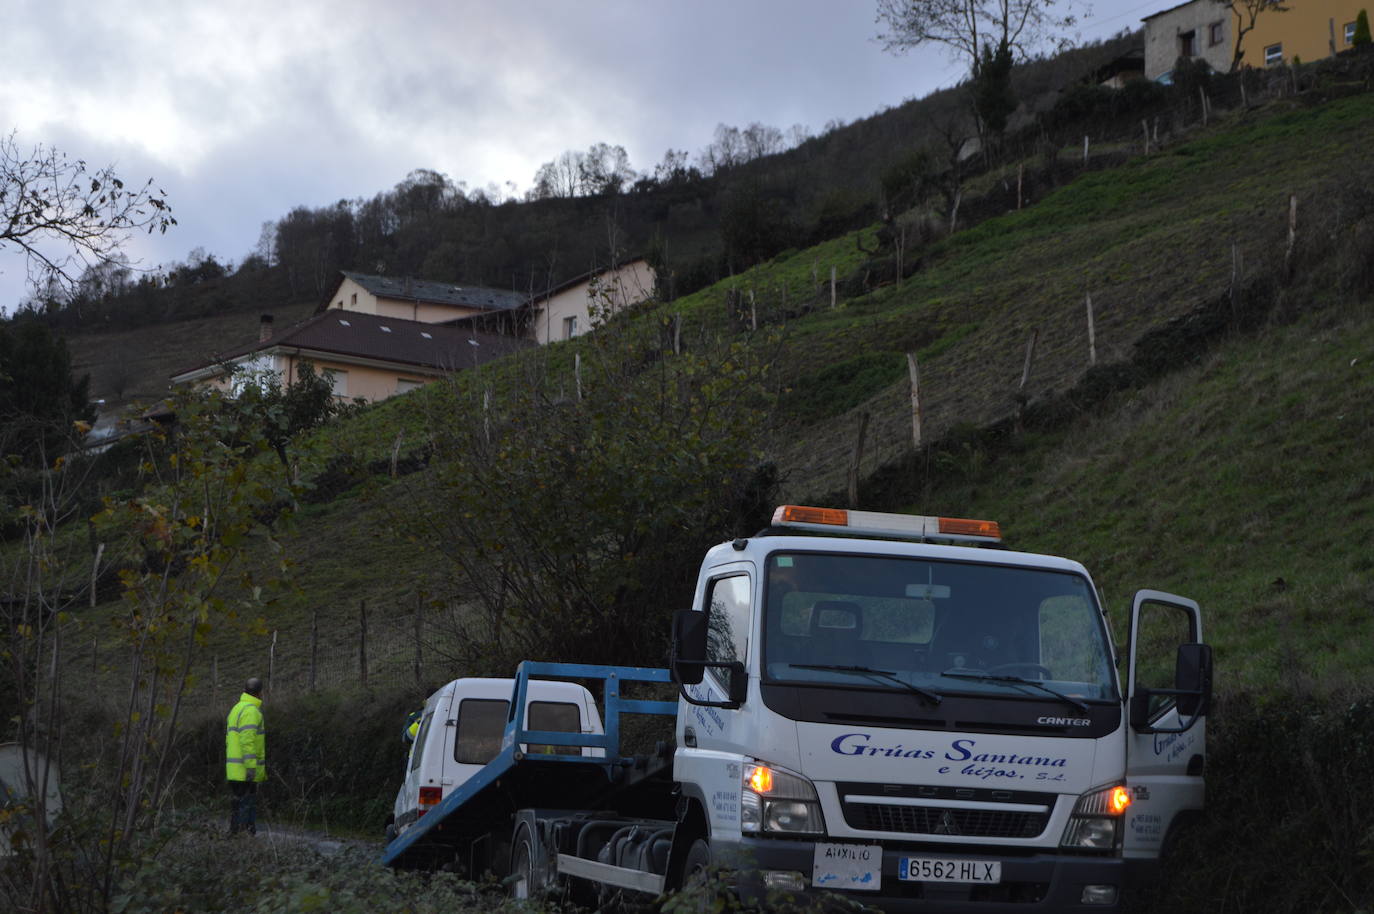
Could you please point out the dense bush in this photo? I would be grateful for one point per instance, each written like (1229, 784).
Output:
(1288, 826)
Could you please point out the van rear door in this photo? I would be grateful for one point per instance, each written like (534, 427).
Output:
(478, 725)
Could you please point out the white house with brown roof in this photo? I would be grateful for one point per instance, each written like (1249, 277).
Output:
(366, 355)
(566, 311)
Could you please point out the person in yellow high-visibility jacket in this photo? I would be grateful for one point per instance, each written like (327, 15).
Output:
(245, 757)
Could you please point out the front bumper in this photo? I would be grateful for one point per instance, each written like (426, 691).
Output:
(1038, 882)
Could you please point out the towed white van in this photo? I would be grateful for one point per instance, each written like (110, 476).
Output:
(461, 730)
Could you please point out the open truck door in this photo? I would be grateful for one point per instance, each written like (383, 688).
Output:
(1169, 682)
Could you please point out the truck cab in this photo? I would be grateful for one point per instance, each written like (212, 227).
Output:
(461, 730)
(894, 707)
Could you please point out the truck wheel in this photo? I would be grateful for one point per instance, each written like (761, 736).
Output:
(522, 866)
(697, 863)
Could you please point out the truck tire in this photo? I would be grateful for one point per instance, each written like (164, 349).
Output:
(522, 866)
(697, 863)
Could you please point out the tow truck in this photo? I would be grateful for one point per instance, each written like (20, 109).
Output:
(888, 706)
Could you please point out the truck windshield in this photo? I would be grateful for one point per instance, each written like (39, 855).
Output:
(942, 626)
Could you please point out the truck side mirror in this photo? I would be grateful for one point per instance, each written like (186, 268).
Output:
(689, 663)
(689, 646)
(1192, 691)
(1193, 679)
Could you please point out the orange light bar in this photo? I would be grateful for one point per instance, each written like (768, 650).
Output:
(1119, 800)
(761, 779)
(799, 514)
(968, 527)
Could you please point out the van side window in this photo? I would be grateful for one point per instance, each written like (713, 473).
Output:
(558, 716)
(727, 625)
(481, 723)
(418, 748)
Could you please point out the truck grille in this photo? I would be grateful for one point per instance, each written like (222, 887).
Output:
(935, 820)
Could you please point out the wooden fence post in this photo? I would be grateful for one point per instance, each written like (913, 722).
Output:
(1021, 398)
(1020, 179)
(753, 311)
(857, 460)
(95, 571)
(1202, 94)
(832, 287)
(314, 645)
(1085, 150)
(677, 334)
(362, 641)
(1145, 129)
(577, 374)
(1030, 355)
(915, 373)
(1092, 335)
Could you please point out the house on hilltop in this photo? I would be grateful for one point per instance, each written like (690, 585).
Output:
(1207, 30)
(1199, 30)
(365, 354)
(565, 311)
(378, 336)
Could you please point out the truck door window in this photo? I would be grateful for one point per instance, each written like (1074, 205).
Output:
(727, 636)
(1161, 630)
(481, 724)
(558, 716)
(418, 749)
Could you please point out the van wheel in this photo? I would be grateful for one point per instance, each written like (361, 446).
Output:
(522, 866)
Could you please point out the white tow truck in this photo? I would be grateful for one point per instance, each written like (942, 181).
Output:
(880, 705)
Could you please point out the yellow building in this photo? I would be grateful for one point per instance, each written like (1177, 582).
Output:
(1309, 30)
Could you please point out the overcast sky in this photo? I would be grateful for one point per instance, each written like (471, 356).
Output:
(242, 110)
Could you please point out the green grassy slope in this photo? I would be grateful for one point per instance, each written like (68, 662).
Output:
(1150, 241)
(1243, 481)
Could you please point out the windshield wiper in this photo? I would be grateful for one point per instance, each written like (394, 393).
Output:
(1016, 680)
(932, 697)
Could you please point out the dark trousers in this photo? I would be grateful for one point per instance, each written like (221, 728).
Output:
(243, 808)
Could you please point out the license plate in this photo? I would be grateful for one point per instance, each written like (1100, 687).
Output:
(944, 869)
(848, 866)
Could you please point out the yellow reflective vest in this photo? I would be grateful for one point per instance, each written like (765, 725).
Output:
(245, 741)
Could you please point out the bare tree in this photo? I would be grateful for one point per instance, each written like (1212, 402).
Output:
(1246, 13)
(989, 35)
(966, 27)
(66, 217)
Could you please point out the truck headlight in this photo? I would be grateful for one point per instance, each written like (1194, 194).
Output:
(779, 802)
(1096, 820)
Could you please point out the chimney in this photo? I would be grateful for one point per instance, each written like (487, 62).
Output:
(264, 328)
